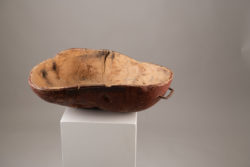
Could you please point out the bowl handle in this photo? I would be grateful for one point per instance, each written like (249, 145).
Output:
(170, 94)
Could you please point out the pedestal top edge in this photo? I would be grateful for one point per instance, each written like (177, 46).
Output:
(97, 116)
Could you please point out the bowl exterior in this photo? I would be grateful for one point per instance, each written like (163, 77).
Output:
(115, 98)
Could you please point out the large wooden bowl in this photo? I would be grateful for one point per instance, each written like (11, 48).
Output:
(105, 79)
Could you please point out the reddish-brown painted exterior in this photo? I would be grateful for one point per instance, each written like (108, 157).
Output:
(120, 98)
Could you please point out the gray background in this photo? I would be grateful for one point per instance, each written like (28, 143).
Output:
(205, 42)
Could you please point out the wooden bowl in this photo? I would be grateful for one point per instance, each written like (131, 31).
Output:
(105, 79)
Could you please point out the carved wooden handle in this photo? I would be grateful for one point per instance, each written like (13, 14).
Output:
(170, 94)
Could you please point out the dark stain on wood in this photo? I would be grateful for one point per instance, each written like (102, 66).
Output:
(106, 99)
(105, 58)
(113, 56)
(54, 68)
(102, 53)
(44, 74)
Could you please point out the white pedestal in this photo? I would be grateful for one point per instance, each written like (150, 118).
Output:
(93, 138)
